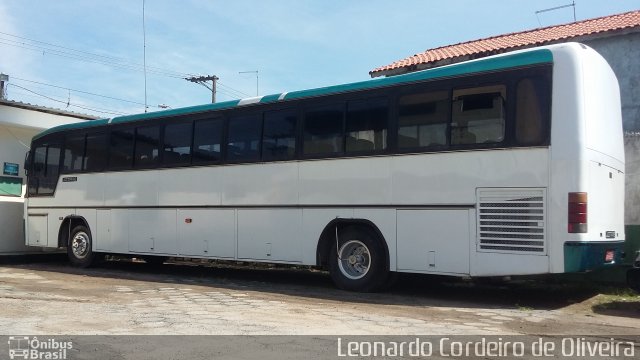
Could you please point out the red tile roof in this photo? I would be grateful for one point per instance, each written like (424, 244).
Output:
(503, 43)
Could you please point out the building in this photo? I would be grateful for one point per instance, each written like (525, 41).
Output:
(615, 37)
(19, 122)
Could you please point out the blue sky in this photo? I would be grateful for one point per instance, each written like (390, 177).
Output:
(294, 44)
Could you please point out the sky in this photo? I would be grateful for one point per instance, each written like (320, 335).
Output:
(87, 56)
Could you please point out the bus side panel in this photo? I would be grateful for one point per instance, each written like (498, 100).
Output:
(153, 231)
(112, 230)
(359, 181)
(270, 234)
(497, 264)
(426, 246)
(207, 233)
(37, 229)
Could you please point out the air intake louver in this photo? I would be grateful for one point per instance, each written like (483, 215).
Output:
(511, 220)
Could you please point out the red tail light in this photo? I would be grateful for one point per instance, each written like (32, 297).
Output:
(578, 212)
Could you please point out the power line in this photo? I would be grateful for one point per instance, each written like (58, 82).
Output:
(99, 110)
(78, 91)
(81, 55)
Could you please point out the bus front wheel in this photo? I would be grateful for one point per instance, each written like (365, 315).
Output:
(79, 247)
(358, 261)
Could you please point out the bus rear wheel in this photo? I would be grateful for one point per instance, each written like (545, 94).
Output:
(358, 262)
(79, 248)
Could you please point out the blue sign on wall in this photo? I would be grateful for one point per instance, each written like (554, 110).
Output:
(11, 169)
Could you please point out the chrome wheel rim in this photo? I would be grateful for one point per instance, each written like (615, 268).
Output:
(80, 245)
(354, 259)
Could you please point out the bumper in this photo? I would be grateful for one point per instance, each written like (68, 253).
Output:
(587, 256)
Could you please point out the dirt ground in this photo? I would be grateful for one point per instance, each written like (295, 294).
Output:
(120, 298)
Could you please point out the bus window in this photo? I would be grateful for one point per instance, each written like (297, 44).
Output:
(95, 158)
(121, 149)
(147, 146)
(530, 107)
(422, 120)
(207, 140)
(279, 138)
(73, 153)
(478, 115)
(244, 138)
(47, 184)
(323, 133)
(367, 123)
(177, 144)
(38, 169)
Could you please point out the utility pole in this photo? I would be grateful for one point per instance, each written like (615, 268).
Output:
(202, 81)
(3, 92)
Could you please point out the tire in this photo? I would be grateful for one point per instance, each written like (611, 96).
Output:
(79, 247)
(358, 263)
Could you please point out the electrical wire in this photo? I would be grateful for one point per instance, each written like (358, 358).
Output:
(81, 55)
(99, 110)
(78, 91)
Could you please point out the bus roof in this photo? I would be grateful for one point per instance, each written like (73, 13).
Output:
(493, 63)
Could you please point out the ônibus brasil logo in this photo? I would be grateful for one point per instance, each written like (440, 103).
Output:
(25, 347)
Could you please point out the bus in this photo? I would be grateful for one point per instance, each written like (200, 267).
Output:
(506, 165)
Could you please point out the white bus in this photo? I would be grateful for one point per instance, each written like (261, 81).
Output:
(506, 165)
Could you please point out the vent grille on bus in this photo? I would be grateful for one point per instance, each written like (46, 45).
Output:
(511, 220)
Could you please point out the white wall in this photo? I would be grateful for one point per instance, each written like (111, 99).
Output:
(17, 127)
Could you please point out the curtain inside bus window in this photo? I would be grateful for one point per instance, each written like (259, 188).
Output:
(530, 122)
(279, 135)
(244, 138)
(478, 115)
(95, 158)
(323, 129)
(177, 144)
(121, 149)
(367, 123)
(422, 120)
(207, 140)
(73, 153)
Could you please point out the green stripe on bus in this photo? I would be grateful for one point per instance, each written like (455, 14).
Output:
(528, 58)
(484, 65)
(269, 98)
(175, 112)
